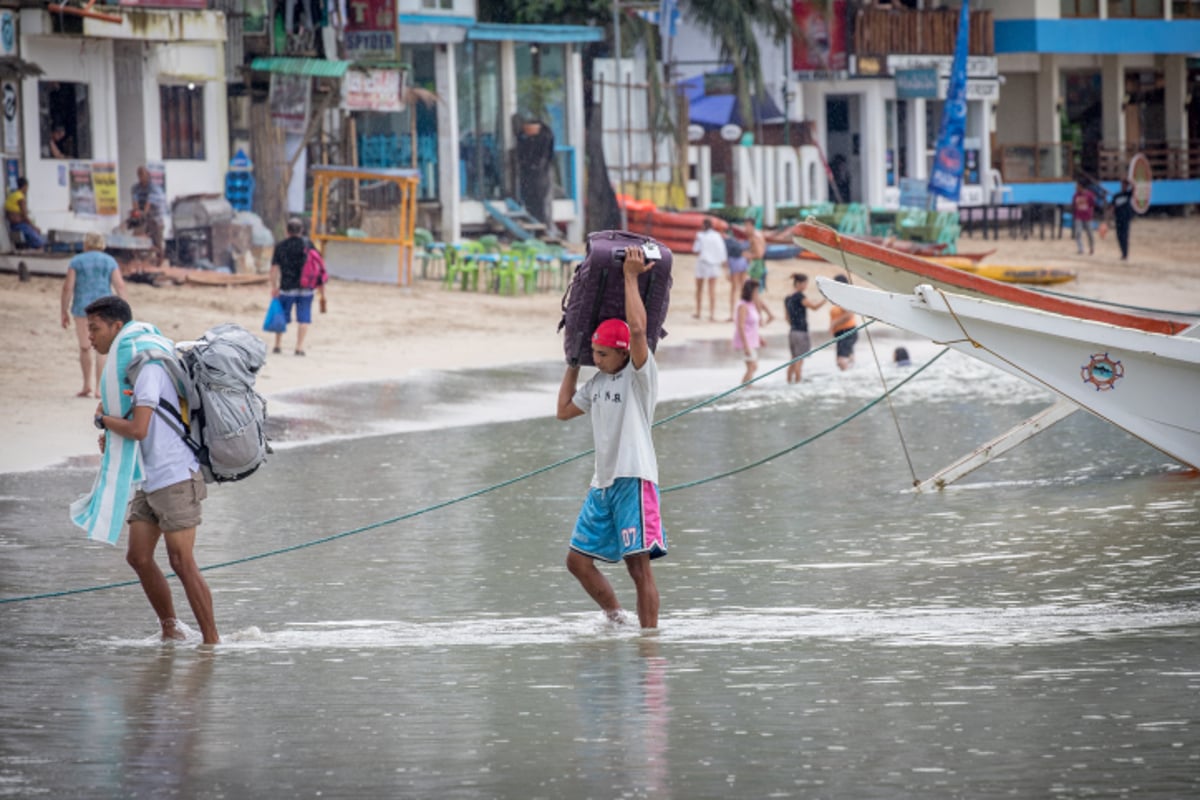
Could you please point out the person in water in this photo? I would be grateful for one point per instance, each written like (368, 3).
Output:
(620, 518)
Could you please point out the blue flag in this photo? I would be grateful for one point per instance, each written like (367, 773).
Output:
(946, 178)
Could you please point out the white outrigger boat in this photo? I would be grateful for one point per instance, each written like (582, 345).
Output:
(1147, 384)
(901, 272)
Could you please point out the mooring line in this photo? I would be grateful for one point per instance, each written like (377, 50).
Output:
(524, 476)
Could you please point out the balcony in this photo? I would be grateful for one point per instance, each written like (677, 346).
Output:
(1054, 161)
(881, 32)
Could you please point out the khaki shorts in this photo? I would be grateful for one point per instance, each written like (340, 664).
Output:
(172, 508)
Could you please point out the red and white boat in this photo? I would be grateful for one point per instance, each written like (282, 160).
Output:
(1146, 383)
(901, 273)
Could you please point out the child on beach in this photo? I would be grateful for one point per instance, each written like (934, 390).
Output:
(620, 517)
(797, 306)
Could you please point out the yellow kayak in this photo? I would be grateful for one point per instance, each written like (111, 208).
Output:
(998, 272)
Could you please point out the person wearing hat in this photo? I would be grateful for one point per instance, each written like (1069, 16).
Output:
(620, 518)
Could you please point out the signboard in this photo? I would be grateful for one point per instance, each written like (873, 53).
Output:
(913, 84)
(83, 196)
(374, 90)
(1140, 177)
(104, 189)
(289, 101)
(819, 41)
(370, 30)
(12, 122)
(977, 66)
(8, 33)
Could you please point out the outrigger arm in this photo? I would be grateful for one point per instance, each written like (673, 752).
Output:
(1006, 441)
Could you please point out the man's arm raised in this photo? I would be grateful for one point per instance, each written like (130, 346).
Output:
(635, 310)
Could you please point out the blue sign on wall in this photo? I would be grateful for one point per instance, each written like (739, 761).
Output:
(913, 84)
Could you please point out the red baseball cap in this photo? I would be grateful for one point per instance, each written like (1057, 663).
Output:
(612, 333)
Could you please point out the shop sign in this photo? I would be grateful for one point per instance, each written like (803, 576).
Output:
(12, 124)
(83, 196)
(913, 84)
(289, 99)
(104, 189)
(8, 33)
(374, 90)
(370, 30)
(977, 66)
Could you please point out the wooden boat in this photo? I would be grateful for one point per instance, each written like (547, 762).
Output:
(214, 278)
(898, 272)
(1144, 383)
(1008, 274)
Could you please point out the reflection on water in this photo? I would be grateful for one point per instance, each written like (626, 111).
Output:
(825, 632)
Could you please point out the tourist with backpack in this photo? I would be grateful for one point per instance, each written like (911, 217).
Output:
(146, 467)
(287, 268)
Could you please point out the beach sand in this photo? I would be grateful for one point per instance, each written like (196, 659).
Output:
(379, 332)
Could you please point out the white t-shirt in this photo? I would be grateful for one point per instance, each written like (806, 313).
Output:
(165, 457)
(710, 247)
(622, 410)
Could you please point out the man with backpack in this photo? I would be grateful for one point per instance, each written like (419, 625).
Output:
(287, 268)
(167, 502)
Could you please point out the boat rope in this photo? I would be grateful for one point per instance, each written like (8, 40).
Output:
(879, 370)
(525, 476)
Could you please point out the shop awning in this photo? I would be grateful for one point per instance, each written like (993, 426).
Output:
(315, 67)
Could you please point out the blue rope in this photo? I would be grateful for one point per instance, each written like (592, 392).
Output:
(525, 476)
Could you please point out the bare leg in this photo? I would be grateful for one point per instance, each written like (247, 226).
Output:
(85, 364)
(143, 538)
(594, 583)
(301, 332)
(647, 591)
(751, 368)
(278, 342)
(712, 299)
(179, 550)
(699, 293)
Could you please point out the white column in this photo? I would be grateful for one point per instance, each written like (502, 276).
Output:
(1049, 121)
(576, 137)
(1112, 94)
(446, 80)
(916, 140)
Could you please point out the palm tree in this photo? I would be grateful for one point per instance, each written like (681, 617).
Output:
(735, 25)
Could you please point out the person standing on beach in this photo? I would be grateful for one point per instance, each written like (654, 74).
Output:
(709, 248)
(1122, 206)
(797, 307)
(739, 268)
(1083, 209)
(756, 253)
(149, 208)
(287, 264)
(842, 320)
(90, 276)
(167, 504)
(620, 518)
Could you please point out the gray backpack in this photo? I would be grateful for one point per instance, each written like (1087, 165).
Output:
(221, 416)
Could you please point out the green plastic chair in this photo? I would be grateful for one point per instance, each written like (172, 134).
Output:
(461, 266)
(430, 253)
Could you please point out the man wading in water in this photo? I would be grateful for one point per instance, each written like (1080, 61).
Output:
(620, 516)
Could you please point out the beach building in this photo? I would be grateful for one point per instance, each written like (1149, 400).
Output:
(1055, 90)
(87, 99)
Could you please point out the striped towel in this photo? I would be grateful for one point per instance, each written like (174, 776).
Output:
(101, 512)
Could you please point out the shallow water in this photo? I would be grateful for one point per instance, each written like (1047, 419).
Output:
(1030, 632)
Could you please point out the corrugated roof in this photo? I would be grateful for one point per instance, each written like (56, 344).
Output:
(315, 67)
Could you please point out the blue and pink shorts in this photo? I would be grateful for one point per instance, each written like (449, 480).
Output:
(619, 521)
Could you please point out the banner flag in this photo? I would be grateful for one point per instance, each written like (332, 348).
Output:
(946, 178)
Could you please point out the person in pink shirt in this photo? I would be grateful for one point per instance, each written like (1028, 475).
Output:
(750, 314)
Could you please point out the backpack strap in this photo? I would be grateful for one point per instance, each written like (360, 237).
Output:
(171, 415)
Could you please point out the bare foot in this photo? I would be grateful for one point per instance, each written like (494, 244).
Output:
(86, 392)
(171, 630)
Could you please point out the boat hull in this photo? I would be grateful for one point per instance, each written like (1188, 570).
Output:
(897, 272)
(1144, 383)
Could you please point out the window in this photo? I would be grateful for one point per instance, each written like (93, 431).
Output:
(182, 121)
(64, 119)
